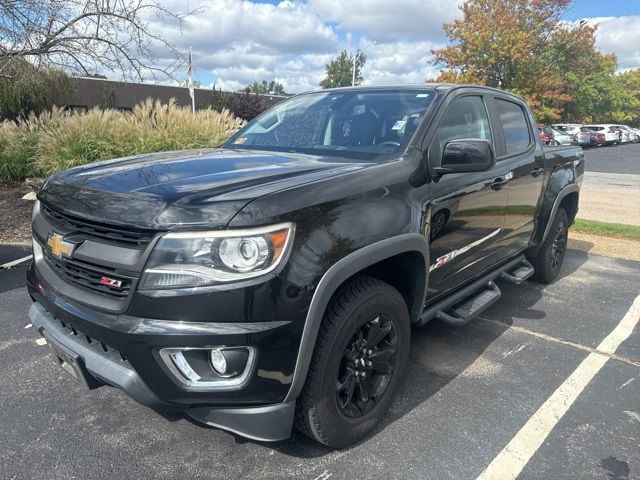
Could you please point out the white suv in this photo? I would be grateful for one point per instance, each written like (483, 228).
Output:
(569, 128)
(612, 134)
(629, 134)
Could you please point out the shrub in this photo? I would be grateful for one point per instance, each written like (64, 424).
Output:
(26, 88)
(19, 143)
(154, 127)
(53, 141)
(245, 105)
(150, 127)
(79, 139)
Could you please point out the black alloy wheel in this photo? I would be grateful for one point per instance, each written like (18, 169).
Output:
(559, 245)
(366, 367)
(361, 352)
(548, 261)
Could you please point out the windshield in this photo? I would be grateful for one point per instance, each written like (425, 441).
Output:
(365, 124)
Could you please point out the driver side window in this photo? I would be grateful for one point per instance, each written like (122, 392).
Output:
(466, 117)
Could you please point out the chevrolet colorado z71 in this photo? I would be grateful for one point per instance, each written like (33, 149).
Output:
(273, 281)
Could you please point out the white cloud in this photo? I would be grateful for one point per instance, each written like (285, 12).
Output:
(399, 62)
(620, 35)
(385, 20)
(240, 41)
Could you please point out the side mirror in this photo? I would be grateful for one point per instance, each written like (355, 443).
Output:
(466, 155)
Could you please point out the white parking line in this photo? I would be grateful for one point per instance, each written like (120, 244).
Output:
(513, 458)
(12, 264)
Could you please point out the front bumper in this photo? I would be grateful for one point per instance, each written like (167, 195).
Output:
(265, 423)
(124, 351)
(104, 364)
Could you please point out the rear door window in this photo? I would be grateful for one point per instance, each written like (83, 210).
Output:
(514, 125)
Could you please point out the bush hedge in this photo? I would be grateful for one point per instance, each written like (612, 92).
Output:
(41, 145)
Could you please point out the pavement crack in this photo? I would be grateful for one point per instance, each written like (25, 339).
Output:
(549, 338)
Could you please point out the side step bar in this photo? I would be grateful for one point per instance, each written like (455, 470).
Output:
(477, 296)
(520, 274)
(470, 309)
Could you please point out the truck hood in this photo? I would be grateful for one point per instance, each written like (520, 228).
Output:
(199, 188)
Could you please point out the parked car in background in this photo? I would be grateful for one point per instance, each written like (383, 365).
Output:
(628, 132)
(545, 136)
(568, 128)
(600, 138)
(624, 136)
(563, 138)
(590, 138)
(556, 137)
(611, 134)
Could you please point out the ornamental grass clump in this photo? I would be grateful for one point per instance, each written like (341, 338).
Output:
(155, 127)
(41, 145)
(19, 143)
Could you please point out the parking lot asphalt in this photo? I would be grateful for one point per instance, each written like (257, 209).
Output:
(467, 393)
(623, 158)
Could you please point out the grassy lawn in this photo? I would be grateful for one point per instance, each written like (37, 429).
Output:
(604, 229)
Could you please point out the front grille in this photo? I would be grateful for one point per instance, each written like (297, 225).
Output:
(88, 278)
(100, 231)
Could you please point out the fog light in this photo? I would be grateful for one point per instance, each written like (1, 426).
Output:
(218, 362)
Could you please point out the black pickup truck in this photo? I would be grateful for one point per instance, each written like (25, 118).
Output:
(273, 282)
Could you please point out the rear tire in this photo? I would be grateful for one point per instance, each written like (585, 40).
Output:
(366, 330)
(548, 262)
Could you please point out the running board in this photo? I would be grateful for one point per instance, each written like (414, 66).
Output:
(520, 274)
(444, 308)
(471, 308)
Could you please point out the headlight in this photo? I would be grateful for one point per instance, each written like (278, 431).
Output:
(195, 259)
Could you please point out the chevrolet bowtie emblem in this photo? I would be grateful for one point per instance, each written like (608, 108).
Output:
(58, 246)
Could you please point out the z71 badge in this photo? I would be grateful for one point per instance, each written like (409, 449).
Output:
(111, 282)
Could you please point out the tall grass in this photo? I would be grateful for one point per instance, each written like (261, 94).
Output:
(53, 141)
(19, 143)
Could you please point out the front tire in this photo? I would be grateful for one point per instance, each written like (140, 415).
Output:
(548, 262)
(359, 359)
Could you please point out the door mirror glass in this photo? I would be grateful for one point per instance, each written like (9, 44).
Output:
(466, 155)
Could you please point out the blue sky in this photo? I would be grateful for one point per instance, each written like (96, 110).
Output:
(236, 42)
(602, 8)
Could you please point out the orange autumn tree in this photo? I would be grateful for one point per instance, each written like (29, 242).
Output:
(508, 44)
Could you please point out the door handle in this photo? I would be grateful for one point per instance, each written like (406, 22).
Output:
(536, 172)
(498, 183)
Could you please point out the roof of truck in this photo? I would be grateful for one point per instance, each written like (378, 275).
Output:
(440, 87)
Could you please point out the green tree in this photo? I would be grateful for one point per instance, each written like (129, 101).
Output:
(26, 88)
(339, 72)
(625, 107)
(586, 73)
(267, 88)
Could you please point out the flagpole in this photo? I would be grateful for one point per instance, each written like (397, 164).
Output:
(191, 91)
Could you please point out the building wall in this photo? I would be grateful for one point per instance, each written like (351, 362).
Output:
(91, 92)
